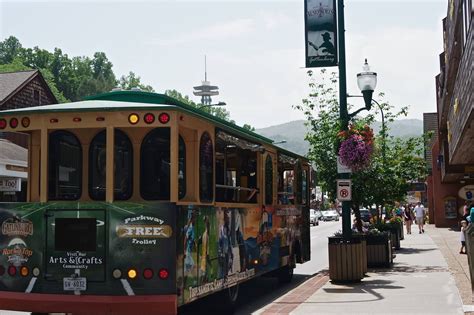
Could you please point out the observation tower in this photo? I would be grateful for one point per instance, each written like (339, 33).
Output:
(206, 90)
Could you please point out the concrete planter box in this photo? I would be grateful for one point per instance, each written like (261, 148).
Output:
(379, 250)
(346, 259)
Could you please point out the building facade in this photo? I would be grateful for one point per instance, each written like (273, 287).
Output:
(452, 181)
(17, 90)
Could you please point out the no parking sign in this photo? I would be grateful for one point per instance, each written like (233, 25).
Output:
(344, 192)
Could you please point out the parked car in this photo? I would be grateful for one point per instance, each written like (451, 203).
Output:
(314, 216)
(330, 215)
(365, 215)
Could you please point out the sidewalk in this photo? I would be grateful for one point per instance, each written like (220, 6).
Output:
(424, 279)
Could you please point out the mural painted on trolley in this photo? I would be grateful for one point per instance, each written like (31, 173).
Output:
(222, 246)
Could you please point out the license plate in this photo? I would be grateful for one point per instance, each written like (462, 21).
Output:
(74, 284)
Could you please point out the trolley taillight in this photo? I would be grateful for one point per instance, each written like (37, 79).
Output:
(163, 274)
(12, 270)
(132, 273)
(149, 118)
(148, 273)
(25, 122)
(14, 122)
(164, 118)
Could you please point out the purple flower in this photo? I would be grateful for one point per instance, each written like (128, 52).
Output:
(355, 152)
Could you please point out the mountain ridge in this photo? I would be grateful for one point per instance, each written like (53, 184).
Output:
(293, 132)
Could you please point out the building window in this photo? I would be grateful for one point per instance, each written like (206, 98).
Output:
(36, 97)
(268, 180)
(236, 169)
(206, 171)
(123, 166)
(64, 167)
(181, 168)
(155, 165)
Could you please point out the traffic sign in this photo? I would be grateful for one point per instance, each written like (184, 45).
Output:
(344, 191)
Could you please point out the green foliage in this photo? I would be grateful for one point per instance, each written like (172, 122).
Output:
(395, 162)
(248, 127)
(131, 81)
(219, 112)
(70, 79)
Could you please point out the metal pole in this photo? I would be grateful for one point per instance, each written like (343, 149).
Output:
(344, 115)
(383, 131)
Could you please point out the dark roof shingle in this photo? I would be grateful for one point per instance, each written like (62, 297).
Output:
(10, 81)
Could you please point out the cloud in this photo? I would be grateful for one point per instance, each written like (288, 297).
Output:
(406, 61)
(215, 32)
(273, 20)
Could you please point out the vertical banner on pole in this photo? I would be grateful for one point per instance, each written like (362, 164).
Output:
(320, 33)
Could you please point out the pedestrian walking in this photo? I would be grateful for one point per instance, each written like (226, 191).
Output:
(420, 217)
(408, 216)
(466, 210)
(463, 237)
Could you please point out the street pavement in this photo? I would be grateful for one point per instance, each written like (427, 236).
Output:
(419, 282)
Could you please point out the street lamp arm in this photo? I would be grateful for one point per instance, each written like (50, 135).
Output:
(357, 111)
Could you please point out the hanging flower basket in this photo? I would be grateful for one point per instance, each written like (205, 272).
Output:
(356, 147)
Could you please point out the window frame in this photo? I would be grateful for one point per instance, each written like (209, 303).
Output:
(209, 171)
(56, 154)
(94, 162)
(147, 195)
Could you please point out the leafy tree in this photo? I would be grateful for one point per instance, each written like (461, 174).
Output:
(9, 49)
(248, 127)
(387, 177)
(219, 112)
(131, 81)
(69, 78)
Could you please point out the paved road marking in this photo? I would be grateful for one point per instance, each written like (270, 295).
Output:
(294, 298)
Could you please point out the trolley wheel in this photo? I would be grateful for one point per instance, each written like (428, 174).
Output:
(227, 299)
(285, 273)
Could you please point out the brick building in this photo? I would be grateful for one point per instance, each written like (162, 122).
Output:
(452, 179)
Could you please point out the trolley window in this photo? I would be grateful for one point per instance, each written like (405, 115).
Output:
(286, 179)
(65, 166)
(304, 188)
(73, 234)
(268, 180)
(123, 166)
(236, 168)
(206, 168)
(299, 183)
(155, 165)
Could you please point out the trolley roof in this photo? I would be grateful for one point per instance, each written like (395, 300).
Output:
(139, 100)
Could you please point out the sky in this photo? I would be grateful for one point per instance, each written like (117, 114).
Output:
(254, 49)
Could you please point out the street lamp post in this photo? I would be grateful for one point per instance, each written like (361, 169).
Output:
(367, 81)
(343, 112)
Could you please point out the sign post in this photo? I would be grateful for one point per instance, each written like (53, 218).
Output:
(344, 190)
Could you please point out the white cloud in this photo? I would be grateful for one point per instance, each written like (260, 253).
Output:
(273, 20)
(406, 61)
(215, 32)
